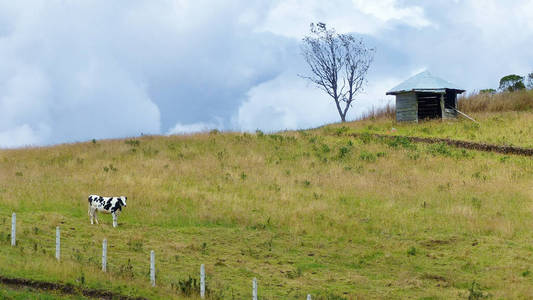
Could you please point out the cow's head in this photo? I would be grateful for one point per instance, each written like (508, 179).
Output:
(123, 200)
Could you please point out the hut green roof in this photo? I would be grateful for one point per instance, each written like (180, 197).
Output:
(424, 82)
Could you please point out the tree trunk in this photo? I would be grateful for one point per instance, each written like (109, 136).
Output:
(339, 109)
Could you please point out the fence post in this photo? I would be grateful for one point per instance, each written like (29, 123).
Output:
(58, 243)
(13, 229)
(254, 289)
(308, 296)
(202, 281)
(104, 256)
(152, 267)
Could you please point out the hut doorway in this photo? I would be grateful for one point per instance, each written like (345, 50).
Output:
(450, 99)
(428, 105)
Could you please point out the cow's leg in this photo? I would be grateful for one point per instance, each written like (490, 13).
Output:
(91, 215)
(96, 216)
(114, 219)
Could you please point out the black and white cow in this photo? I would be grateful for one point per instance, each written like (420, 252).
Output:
(106, 205)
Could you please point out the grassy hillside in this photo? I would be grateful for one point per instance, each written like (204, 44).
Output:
(305, 212)
(514, 128)
(503, 119)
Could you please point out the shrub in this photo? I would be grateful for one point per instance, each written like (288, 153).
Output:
(343, 151)
(126, 270)
(110, 168)
(476, 203)
(474, 292)
(365, 137)
(150, 152)
(191, 287)
(277, 137)
(135, 245)
(187, 287)
(398, 141)
(367, 156)
(511, 83)
(341, 131)
(297, 272)
(440, 149)
(413, 155)
(381, 154)
(487, 91)
(133, 142)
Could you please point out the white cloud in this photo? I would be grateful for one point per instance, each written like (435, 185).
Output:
(286, 102)
(97, 69)
(23, 135)
(193, 128)
(475, 43)
(290, 102)
(292, 17)
(373, 94)
(388, 10)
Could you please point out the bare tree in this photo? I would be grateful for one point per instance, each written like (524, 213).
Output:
(339, 64)
(530, 81)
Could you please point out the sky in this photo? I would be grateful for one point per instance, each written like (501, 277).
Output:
(92, 69)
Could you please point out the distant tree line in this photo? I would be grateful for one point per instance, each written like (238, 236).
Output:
(512, 83)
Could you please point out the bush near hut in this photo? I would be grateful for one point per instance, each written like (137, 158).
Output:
(511, 83)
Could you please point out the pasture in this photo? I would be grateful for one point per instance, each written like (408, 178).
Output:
(312, 211)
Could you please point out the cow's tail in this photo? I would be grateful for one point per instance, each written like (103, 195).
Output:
(89, 209)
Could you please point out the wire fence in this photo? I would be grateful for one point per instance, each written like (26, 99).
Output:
(202, 287)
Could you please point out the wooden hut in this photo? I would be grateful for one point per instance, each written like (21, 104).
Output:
(425, 96)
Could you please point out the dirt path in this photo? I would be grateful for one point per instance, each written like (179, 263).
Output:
(64, 288)
(458, 144)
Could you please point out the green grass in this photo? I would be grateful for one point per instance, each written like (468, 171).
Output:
(304, 212)
(508, 128)
(24, 293)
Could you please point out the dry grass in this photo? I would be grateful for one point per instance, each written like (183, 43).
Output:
(500, 102)
(507, 128)
(304, 212)
(473, 103)
(384, 112)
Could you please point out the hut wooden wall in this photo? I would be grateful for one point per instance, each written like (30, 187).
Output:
(406, 107)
